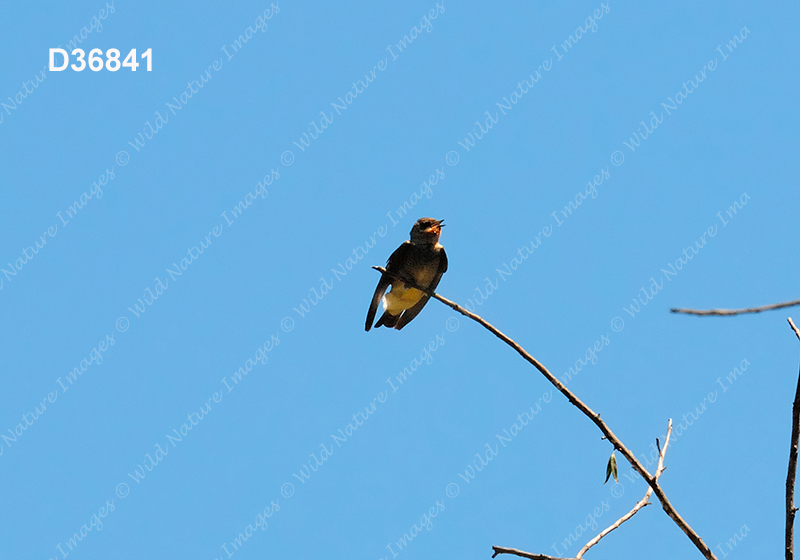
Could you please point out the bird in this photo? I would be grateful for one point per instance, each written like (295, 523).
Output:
(421, 260)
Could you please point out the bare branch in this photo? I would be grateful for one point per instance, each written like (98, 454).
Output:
(792, 474)
(593, 416)
(504, 550)
(725, 312)
(796, 332)
(639, 505)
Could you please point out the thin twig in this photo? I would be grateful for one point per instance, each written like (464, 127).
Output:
(796, 332)
(723, 312)
(790, 476)
(639, 505)
(593, 416)
(504, 550)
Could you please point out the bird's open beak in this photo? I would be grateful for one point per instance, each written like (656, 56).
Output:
(435, 228)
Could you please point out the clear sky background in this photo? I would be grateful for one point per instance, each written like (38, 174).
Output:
(732, 138)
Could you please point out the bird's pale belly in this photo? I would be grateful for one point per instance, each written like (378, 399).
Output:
(401, 298)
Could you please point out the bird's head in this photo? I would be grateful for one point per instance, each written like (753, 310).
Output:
(426, 231)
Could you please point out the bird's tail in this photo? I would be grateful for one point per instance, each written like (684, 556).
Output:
(388, 320)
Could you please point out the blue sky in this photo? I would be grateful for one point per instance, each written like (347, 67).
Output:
(219, 215)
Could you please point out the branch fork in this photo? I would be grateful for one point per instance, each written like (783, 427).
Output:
(651, 480)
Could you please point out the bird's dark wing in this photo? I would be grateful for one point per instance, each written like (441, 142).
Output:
(412, 312)
(400, 257)
(383, 283)
(394, 262)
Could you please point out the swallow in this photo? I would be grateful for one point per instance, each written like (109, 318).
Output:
(422, 261)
